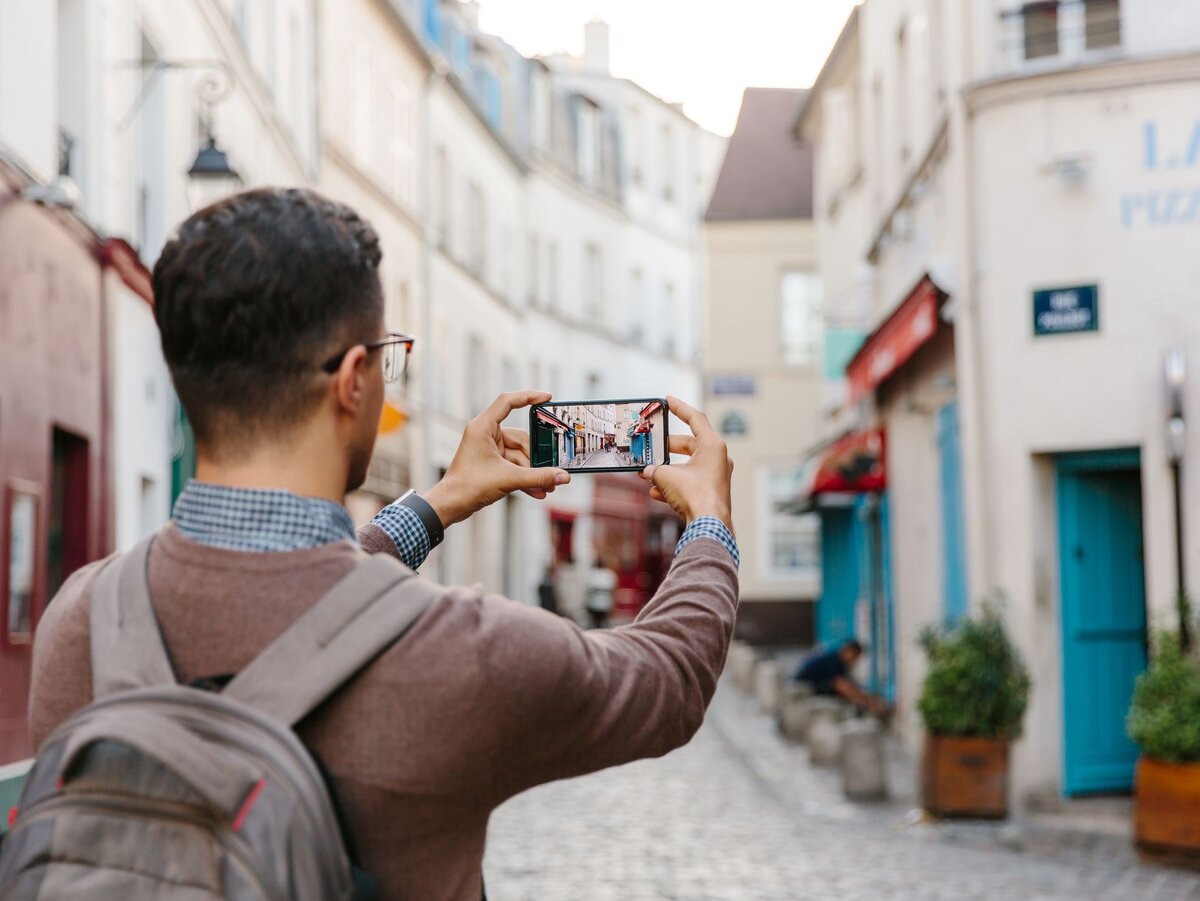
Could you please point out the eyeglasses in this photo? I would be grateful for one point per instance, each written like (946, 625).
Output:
(396, 349)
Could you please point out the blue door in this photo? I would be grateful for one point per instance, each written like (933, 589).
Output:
(839, 575)
(954, 539)
(1103, 615)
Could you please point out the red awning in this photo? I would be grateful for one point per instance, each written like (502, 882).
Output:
(892, 344)
(854, 464)
(549, 419)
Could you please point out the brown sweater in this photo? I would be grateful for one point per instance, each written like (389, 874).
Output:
(482, 699)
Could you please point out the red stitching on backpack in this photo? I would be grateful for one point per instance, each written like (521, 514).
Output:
(13, 813)
(244, 810)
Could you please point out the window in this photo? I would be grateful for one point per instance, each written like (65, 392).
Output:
(477, 376)
(593, 282)
(637, 331)
(668, 164)
(634, 146)
(400, 144)
(1103, 23)
(791, 545)
(362, 108)
(533, 277)
(552, 274)
(443, 198)
(589, 140)
(1040, 21)
(670, 323)
(23, 502)
(800, 317)
(476, 231)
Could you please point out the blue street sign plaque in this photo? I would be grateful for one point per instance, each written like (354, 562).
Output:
(1059, 311)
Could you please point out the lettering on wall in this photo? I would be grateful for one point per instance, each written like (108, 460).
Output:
(1164, 153)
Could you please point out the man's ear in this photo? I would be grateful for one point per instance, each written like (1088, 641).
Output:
(350, 380)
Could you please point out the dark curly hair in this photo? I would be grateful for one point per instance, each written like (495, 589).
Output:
(251, 296)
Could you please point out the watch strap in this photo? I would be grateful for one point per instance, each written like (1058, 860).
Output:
(428, 516)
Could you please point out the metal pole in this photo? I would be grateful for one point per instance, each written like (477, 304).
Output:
(1181, 596)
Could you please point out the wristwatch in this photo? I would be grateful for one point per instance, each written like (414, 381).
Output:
(427, 515)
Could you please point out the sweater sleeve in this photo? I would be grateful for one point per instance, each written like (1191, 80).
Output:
(572, 702)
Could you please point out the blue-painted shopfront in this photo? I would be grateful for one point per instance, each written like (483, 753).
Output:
(856, 594)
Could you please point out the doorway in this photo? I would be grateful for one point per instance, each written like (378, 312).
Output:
(1101, 571)
(68, 546)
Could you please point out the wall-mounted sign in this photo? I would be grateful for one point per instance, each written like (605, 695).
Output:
(734, 386)
(734, 424)
(1058, 311)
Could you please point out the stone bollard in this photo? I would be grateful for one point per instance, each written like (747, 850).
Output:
(863, 773)
(825, 732)
(741, 666)
(795, 710)
(768, 685)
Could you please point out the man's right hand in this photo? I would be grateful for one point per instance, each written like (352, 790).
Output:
(701, 486)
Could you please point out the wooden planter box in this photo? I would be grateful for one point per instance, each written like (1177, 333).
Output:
(965, 777)
(1166, 812)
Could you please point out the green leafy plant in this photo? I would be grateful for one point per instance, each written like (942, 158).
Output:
(1164, 718)
(977, 685)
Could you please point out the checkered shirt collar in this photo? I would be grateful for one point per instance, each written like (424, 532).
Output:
(258, 519)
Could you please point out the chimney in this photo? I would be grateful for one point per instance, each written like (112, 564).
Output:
(595, 46)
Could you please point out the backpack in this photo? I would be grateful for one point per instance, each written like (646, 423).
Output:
(160, 790)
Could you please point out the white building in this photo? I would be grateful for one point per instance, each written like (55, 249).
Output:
(1003, 193)
(765, 358)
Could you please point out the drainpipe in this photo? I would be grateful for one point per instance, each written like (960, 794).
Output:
(437, 73)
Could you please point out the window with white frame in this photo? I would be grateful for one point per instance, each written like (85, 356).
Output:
(552, 274)
(593, 282)
(789, 542)
(533, 271)
(442, 163)
(476, 231)
(1040, 28)
(588, 122)
(800, 317)
(668, 164)
(1102, 23)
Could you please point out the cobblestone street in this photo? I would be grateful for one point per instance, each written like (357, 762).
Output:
(739, 815)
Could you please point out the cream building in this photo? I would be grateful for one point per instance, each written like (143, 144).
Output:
(763, 357)
(1003, 194)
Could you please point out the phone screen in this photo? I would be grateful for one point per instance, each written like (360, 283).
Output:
(599, 435)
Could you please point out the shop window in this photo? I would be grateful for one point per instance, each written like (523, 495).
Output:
(23, 508)
(1102, 23)
(791, 541)
(1040, 20)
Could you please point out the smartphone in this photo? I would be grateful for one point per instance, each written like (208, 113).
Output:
(599, 435)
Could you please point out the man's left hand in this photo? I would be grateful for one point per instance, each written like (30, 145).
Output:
(492, 462)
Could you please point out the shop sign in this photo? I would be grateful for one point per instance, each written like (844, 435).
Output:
(734, 386)
(1059, 311)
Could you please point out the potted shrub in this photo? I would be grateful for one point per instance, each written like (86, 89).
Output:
(972, 702)
(1164, 721)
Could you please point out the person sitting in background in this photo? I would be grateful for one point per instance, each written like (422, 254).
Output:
(827, 672)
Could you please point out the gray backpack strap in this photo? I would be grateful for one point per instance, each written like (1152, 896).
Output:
(127, 646)
(355, 621)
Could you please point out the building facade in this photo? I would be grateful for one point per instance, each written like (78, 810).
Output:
(763, 365)
(994, 183)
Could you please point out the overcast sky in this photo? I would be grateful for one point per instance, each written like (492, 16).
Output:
(702, 52)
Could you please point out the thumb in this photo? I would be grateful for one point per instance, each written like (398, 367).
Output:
(541, 479)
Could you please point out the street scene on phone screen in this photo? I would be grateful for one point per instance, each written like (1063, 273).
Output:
(343, 344)
(599, 435)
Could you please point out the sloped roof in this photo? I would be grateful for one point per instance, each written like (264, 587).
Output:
(767, 172)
